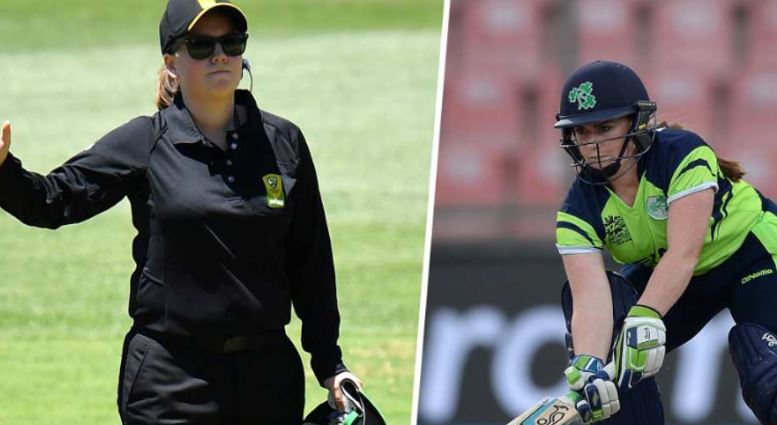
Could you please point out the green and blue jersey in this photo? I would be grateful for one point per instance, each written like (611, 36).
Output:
(679, 163)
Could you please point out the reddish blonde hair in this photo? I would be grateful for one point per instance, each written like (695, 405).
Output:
(167, 88)
(731, 169)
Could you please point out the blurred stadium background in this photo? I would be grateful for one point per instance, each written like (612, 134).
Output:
(494, 333)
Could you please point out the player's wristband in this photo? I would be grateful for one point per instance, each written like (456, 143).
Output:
(641, 310)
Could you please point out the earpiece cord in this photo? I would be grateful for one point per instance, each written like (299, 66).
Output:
(247, 67)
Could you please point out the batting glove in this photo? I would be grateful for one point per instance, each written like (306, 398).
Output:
(597, 395)
(599, 399)
(580, 369)
(639, 350)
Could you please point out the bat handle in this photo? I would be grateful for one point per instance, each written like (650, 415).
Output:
(610, 370)
(574, 397)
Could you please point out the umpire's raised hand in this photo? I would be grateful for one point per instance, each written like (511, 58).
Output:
(5, 142)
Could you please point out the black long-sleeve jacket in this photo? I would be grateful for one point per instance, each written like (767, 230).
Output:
(226, 241)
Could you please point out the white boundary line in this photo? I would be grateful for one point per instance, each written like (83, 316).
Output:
(430, 212)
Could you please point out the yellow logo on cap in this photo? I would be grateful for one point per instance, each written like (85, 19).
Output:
(206, 3)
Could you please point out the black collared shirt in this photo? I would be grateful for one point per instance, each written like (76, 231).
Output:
(227, 240)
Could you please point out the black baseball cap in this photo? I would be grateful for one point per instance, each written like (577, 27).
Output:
(600, 91)
(181, 15)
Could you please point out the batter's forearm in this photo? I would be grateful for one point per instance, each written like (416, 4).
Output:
(592, 331)
(668, 281)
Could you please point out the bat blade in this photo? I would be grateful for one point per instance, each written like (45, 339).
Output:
(558, 410)
(549, 411)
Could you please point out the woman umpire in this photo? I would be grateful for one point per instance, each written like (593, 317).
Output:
(231, 232)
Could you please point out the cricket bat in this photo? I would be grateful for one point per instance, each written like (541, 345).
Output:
(555, 411)
(550, 411)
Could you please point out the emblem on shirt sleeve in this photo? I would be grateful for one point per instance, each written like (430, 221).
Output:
(273, 183)
(615, 230)
(656, 207)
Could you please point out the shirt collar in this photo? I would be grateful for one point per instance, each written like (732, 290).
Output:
(181, 127)
(254, 117)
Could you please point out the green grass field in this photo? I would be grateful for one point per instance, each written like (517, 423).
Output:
(359, 77)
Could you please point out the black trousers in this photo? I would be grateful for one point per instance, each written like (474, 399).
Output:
(163, 382)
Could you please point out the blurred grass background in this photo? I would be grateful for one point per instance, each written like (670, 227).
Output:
(359, 77)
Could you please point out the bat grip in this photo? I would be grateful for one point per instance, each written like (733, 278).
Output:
(610, 370)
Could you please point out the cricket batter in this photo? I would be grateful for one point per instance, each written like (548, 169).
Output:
(230, 232)
(695, 239)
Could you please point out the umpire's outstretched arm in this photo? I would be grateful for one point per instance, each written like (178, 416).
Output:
(87, 184)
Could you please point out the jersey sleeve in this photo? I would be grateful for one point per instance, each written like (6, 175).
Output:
(310, 268)
(697, 171)
(90, 182)
(575, 235)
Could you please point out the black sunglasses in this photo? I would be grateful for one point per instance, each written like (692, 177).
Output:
(202, 46)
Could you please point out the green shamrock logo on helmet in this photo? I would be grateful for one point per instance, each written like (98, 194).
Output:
(583, 95)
